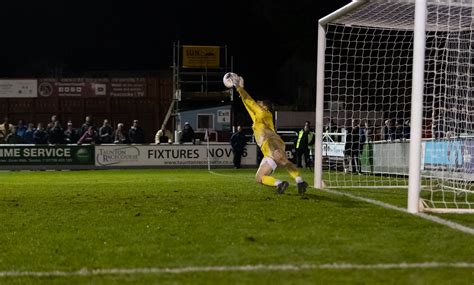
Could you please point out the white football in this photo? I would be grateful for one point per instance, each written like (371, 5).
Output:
(229, 79)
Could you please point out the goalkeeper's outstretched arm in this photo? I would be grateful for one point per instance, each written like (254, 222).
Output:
(249, 103)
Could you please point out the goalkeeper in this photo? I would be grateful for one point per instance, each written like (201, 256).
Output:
(271, 145)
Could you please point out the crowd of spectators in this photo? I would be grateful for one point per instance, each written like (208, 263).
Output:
(391, 130)
(54, 133)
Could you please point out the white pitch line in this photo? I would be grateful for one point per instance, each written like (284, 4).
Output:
(435, 219)
(242, 268)
(431, 218)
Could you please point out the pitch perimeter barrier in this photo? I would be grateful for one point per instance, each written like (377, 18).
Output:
(45, 157)
(172, 155)
(454, 155)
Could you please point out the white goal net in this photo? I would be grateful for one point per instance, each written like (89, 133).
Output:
(367, 100)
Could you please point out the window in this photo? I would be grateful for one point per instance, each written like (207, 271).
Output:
(205, 121)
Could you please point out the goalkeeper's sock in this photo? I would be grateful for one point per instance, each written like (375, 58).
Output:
(270, 181)
(293, 171)
(298, 179)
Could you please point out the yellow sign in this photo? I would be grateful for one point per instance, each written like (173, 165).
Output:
(201, 57)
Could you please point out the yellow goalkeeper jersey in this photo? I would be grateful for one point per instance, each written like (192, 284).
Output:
(262, 127)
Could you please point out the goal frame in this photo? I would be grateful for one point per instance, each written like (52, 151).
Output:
(414, 203)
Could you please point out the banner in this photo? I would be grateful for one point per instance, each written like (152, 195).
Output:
(333, 149)
(201, 56)
(92, 87)
(170, 155)
(127, 87)
(46, 155)
(468, 156)
(446, 154)
(18, 88)
(452, 155)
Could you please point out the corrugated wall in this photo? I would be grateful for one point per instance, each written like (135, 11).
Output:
(150, 109)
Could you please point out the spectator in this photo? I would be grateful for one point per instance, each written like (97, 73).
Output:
(136, 134)
(106, 132)
(119, 135)
(427, 129)
(399, 129)
(187, 134)
(406, 130)
(51, 124)
(389, 131)
(5, 129)
(364, 134)
(238, 142)
(40, 135)
(303, 143)
(56, 133)
(13, 138)
(21, 128)
(352, 147)
(54, 118)
(70, 134)
(28, 137)
(88, 123)
(90, 136)
(330, 127)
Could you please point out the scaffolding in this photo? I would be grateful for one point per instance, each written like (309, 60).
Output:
(198, 82)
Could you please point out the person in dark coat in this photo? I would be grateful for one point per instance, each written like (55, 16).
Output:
(28, 137)
(106, 132)
(304, 142)
(56, 134)
(187, 134)
(40, 135)
(136, 133)
(88, 123)
(13, 137)
(70, 134)
(238, 142)
(352, 147)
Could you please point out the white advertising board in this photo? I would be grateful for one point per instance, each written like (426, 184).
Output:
(333, 149)
(173, 155)
(18, 88)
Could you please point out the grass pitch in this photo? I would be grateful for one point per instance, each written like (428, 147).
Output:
(181, 219)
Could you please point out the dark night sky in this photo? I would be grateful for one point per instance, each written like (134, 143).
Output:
(133, 35)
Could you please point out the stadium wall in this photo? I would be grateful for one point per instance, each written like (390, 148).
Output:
(117, 99)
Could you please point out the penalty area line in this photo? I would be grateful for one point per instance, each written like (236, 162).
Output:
(240, 268)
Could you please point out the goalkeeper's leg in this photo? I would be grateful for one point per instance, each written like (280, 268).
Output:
(263, 175)
(279, 155)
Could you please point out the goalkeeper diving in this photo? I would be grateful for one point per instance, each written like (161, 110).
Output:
(270, 143)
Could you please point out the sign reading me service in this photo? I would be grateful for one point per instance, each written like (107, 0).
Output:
(171, 155)
(46, 155)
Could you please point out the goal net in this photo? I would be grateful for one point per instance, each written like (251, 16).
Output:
(368, 69)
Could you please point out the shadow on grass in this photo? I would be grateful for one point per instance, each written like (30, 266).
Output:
(339, 200)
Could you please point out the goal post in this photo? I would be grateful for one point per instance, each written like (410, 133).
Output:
(395, 82)
(418, 81)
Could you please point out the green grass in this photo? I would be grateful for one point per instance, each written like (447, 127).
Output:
(71, 220)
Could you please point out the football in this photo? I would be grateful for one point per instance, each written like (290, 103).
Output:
(229, 79)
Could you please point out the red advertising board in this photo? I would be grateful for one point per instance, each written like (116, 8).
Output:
(92, 87)
(127, 87)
